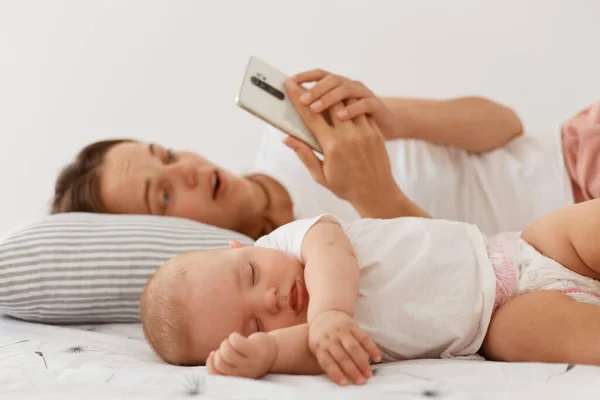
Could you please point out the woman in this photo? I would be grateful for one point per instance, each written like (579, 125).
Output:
(138, 178)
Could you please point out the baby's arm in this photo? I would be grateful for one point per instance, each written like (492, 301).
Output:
(292, 353)
(287, 351)
(331, 270)
(283, 351)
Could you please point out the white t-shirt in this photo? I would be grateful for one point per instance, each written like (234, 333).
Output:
(427, 287)
(499, 191)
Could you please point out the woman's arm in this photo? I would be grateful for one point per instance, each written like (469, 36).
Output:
(471, 123)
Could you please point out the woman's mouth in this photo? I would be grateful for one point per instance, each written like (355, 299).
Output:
(218, 184)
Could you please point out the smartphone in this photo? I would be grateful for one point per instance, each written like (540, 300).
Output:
(262, 94)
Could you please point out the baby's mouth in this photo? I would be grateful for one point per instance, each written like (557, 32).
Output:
(298, 297)
(293, 298)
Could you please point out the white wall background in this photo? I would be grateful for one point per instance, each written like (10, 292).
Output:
(72, 72)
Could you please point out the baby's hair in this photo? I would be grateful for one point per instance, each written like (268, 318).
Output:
(162, 313)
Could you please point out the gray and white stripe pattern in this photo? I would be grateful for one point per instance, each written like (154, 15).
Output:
(91, 268)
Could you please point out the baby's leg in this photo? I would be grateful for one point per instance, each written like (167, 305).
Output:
(570, 236)
(544, 326)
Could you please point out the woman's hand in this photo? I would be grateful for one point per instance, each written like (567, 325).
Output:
(356, 166)
(331, 89)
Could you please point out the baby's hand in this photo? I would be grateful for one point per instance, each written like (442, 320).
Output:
(342, 348)
(249, 357)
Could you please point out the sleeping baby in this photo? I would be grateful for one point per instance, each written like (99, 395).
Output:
(322, 296)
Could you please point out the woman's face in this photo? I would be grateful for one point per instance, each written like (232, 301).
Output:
(141, 178)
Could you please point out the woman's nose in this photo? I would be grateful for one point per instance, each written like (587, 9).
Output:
(186, 171)
(272, 301)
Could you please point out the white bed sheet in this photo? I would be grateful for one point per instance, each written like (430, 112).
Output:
(113, 361)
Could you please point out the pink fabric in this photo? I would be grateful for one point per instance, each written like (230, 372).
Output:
(502, 250)
(581, 146)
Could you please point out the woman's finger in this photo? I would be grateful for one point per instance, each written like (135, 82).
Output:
(313, 95)
(361, 107)
(331, 368)
(334, 110)
(309, 76)
(374, 126)
(306, 154)
(346, 363)
(314, 121)
(361, 119)
(363, 124)
(336, 95)
(368, 344)
(240, 344)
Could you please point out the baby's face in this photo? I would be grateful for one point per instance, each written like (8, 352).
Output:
(244, 290)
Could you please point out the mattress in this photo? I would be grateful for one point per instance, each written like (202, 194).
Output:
(113, 361)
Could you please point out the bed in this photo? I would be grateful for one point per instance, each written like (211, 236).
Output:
(113, 361)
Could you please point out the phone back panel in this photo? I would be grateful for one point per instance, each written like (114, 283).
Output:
(273, 106)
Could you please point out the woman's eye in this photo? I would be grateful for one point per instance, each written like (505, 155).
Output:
(165, 198)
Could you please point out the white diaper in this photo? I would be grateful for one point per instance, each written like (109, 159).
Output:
(538, 272)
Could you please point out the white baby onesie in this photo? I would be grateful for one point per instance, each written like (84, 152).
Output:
(427, 286)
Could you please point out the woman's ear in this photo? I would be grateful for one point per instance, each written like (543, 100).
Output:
(234, 244)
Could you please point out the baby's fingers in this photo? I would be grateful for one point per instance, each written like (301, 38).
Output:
(358, 354)
(240, 344)
(347, 364)
(368, 344)
(331, 367)
(222, 365)
(210, 365)
(230, 354)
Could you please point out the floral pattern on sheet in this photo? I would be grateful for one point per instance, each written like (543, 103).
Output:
(113, 361)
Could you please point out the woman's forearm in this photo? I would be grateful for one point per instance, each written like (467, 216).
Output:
(470, 123)
(393, 204)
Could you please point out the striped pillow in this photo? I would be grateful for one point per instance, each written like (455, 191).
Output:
(91, 268)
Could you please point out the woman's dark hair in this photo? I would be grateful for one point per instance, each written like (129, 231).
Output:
(77, 187)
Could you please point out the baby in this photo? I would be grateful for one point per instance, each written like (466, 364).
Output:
(320, 296)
